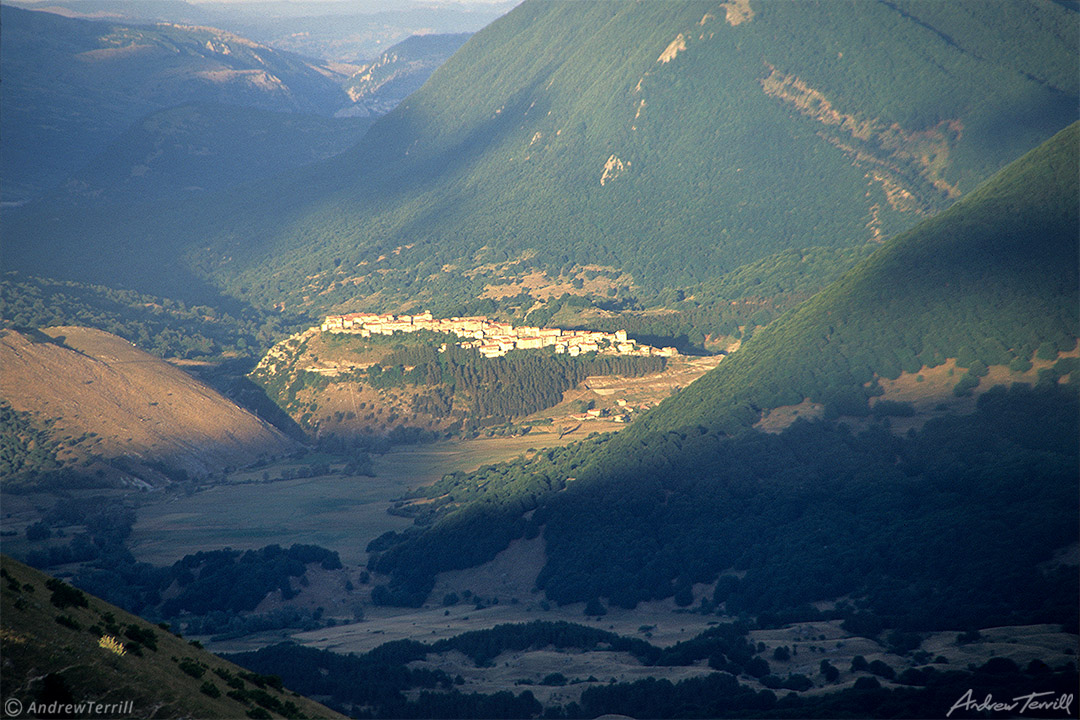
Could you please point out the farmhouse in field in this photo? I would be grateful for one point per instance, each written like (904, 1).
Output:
(492, 338)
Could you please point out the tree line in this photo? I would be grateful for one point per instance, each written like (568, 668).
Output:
(381, 682)
(518, 384)
(161, 326)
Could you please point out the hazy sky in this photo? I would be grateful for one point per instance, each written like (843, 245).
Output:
(385, 4)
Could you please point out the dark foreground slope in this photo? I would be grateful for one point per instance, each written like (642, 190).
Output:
(56, 650)
(662, 144)
(956, 524)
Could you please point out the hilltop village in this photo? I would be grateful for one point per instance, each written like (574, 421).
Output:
(492, 338)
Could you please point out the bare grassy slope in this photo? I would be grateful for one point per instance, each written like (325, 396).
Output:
(140, 407)
(51, 651)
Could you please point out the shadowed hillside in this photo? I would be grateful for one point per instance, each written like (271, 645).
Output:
(691, 494)
(199, 149)
(989, 282)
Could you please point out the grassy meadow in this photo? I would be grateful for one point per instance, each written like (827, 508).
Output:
(339, 513)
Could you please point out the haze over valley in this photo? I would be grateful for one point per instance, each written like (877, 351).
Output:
(542, 360)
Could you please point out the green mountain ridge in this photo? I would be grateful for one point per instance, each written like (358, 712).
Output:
(989, 280)
(819, 512)
(569, 135)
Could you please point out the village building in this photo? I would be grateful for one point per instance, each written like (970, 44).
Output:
(492, 338)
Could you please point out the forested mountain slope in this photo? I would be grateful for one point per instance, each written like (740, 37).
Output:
(988, 282)
(662, 143)
(954, 524)
(199, 149)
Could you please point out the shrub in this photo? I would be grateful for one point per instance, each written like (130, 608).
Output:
(192, 668)
(63, 595)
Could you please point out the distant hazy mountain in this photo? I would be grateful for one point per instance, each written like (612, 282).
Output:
(345, 31)
(663, 143)
(377, 87)
(354, 32)
(71, 87)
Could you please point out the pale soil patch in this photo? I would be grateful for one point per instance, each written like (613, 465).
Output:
(651, 389)
(619, 396)
(541, 286)
(256, 78)
(779, 419)
(736, 12)
(497, 268)
(613, 168)
(874, 223)
(114, 53)
(813, 103)
(932, 396)
(672, 50)
(898, 197)
(926, 151)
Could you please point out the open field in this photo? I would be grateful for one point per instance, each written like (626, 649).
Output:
(340, 513)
